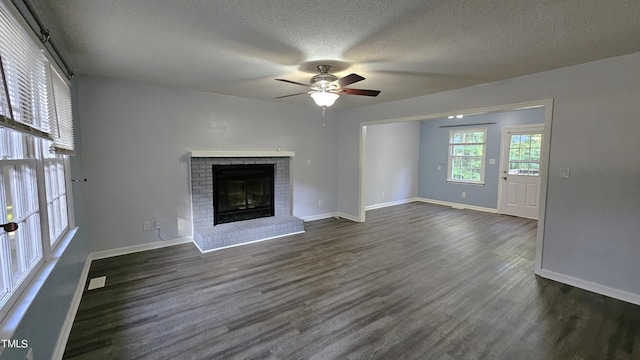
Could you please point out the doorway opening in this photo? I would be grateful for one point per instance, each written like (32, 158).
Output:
(543, 161)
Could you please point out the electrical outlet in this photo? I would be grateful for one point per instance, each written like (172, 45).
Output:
(383, 194)
(464, 194)
(157, 224)
(320, 202)
(146, 226)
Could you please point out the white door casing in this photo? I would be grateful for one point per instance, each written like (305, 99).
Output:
(520, 157)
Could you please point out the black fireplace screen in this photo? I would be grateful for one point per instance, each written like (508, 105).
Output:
(242, 192)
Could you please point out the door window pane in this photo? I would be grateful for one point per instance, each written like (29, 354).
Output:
(524, 154)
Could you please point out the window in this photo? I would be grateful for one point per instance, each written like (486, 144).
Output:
(56, 191)
(524, 154)
(20, 251)
(466, 155)
(36, 139)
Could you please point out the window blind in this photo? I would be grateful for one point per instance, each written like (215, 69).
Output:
(25, 100)
(62, 129)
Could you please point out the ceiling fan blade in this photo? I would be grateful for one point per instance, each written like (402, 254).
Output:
(284, 96)
(349, 79)
(293, 82)
(360, 92)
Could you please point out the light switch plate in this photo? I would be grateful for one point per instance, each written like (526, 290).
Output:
(565, 173)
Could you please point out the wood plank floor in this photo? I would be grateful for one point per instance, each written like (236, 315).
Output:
(416, 281)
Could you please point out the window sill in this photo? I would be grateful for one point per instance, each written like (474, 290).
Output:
(465, 183)
(9, 324)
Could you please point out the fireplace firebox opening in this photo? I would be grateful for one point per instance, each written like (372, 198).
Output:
(242, 192)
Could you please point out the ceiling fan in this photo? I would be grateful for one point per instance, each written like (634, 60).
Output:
(326, 88)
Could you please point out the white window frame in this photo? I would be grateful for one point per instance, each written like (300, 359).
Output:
(451, 156)
(20, 145)
(14, 286)
(46, 244)
(57, 193)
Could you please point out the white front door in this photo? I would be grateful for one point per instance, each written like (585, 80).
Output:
(520, 171)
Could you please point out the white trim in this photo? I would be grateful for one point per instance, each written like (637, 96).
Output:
(249, 153)
(362, 180)
(460, 182)
(468, 112)
(248, 242)
(63, 337)
(544, 181)
(138, 248)
(318, 217)
(348, 217)
(390, 203)
(458, 205)
(591, 286)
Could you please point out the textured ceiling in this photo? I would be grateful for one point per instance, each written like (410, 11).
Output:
(404, 48)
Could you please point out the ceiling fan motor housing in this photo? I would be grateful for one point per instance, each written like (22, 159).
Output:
(324, 80)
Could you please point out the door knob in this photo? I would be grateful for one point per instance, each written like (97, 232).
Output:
(504, 177)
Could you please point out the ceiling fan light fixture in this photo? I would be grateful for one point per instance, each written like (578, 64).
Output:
(324, 99)
(325, 87)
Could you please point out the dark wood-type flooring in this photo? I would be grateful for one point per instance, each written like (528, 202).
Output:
(416, 281)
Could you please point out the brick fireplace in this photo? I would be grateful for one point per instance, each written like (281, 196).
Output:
(210, 237)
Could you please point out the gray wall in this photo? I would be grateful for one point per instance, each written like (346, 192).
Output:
(591, 219)
(391, 162)
(135, 140)
(434, 145)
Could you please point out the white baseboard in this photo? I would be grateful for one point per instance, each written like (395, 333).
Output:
(137, 248)
(318, 217)
(245, 243)
(458, 205)
(591, 286)
(348, 217)
(63, 337)
(391, 203)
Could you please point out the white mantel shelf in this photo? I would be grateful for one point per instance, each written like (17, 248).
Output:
(249, 153)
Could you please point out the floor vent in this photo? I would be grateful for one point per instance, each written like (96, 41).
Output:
(97, 283)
